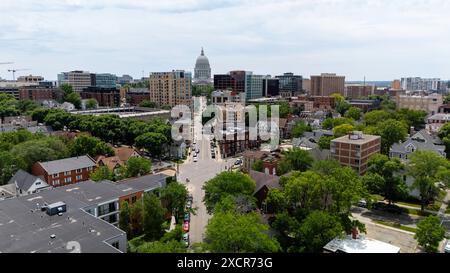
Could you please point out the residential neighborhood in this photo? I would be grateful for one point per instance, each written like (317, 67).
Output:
(210, 151)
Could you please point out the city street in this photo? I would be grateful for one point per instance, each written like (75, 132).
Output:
(198, 173)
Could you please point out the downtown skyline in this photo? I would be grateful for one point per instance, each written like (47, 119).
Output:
(381, 40)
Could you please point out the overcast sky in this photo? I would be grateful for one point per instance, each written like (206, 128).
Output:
(379, 39)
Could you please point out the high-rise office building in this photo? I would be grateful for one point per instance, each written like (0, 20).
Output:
(105, 80)
(290, 84)
(253, 86)
(420, 84)
(79, 80)
(271, 87)
(171, 88)
(234, 81)
(327, 84)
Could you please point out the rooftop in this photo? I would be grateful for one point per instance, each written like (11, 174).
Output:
(354, 138)
(68, 164)
(360, 245)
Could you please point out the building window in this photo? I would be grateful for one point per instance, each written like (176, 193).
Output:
(133, 199)
(55, 174)
(68, 179)
(79, 177)
(78, 170)
(67, 173)
(115, 244)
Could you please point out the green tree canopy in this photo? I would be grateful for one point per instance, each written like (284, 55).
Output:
(226, 184)
(300, 128)
(137, 166)
(353, 113)
(258, 166)
(152, 142)
(102, 173)
(230, 232)
(429, 233)
(87, 145)
(175, 197)
(153, 217)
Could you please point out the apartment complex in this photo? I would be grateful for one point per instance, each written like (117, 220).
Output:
(38, 92)
(429, 104)
(79, 80)
(65, 171)
(420, 84)
(104, 96)
(358, 91)
(354, 150)
(170, 88)
(327, 84)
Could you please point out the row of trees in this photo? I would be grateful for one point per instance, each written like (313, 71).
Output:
(9, 106)
(152, 136)
(21, 149)
(145, 221)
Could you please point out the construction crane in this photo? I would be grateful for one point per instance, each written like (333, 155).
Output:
(15, 70)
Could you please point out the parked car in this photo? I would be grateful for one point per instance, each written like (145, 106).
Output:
(186, 239)
(447, 247)
(238, 162)
(213, 155)
(362, 203)
(187, 216)
(186, 226)
(189, 204)
(195, 159)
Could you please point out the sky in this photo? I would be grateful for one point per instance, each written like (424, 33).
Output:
(378, 39)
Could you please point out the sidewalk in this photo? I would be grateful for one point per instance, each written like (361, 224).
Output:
(444, 204)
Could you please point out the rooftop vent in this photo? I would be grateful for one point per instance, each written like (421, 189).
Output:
(56, 208)
(53, 236)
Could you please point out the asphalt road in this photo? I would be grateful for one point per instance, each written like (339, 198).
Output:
(198, 173)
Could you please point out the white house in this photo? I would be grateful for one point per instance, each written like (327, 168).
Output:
(26, 183)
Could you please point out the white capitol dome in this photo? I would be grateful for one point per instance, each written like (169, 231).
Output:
(202, 70)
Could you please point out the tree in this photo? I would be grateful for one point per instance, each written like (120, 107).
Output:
(300, 128)
(299, 159)
(26, 106)
(283, 167)
(74, 98)
(172, 246)
(9, 165)
(153, 217)
(124, 219)
(413, 118)
(8, 106)
(175, 197)
(429, 233)
(276, 201)
(376, 116)
(152, 142)
(382, 177)
(317, 230)
(330, 123)
(425, 167)
(102, 173)
(258, 166)
(325, 142)
(444, 135)
(137, 166)
(342, 130)
(87, 145)
(136, 216)
(391, 131)
(353, 113)
(91, 104)
(226, 184)
(148, 104)
(230, 232)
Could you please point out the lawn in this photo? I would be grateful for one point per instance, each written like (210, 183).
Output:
(395, 225)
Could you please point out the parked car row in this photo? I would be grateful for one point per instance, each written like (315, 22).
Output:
(187, 220)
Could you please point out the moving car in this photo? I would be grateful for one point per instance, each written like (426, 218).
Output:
(186, 226)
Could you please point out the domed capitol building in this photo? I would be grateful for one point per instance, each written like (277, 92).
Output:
(202, 70)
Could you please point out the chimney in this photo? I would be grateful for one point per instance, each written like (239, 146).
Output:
(411, 131)
(355, 233)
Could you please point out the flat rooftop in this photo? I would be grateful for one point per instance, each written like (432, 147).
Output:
(25, 228)
(360, 245)
(364, 139)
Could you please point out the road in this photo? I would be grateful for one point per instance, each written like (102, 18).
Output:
(198, 173)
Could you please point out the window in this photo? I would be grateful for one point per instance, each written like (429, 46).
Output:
(55, 174)
(38, 183)
(78, 170)
(55, 182)
(67, 173)
(89, 168)
(133, 199)
(68, 179)
(115, 244)
(79, 177)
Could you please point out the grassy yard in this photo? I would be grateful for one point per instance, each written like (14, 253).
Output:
(433, 207)
(416, 212)
(395, 225)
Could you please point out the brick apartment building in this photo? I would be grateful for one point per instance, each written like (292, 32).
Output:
(171, 88)
(65, 171)
(38, 93)
(354, 150)
(358, 91)
(109, 97)
(327, 84)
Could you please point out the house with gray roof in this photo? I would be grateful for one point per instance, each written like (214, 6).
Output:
(25, 183)
(419, 141)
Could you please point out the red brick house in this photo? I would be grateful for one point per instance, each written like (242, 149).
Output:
(65, 171)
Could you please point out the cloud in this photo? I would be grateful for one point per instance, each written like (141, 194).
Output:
(379, 39)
